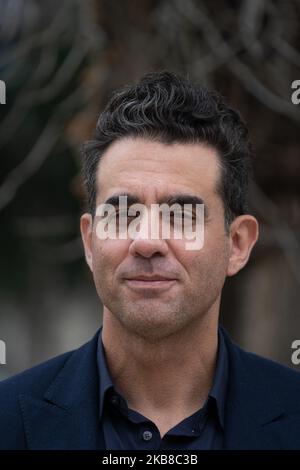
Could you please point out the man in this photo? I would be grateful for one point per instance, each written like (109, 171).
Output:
(161, 374)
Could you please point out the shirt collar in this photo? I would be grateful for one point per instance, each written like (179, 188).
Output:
(217, 392)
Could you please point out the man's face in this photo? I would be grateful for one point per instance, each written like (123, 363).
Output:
(152, 171)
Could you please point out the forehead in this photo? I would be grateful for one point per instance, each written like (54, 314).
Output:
(153, 169)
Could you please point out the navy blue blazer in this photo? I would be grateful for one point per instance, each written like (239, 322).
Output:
(55, 405)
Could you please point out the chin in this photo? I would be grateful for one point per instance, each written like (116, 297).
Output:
(150, 325)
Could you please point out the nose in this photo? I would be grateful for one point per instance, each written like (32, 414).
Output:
(147, 247)
(144, 243)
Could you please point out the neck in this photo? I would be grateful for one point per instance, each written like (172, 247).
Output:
(170, 377)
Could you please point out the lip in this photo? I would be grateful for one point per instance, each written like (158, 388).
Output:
(154, 277)
(144, 283)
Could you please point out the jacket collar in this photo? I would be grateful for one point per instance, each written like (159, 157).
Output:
(68, 415)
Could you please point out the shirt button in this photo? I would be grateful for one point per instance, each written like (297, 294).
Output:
(147, 435)
(114, 400)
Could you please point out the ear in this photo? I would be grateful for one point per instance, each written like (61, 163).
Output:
(86, 229)
(243, 236)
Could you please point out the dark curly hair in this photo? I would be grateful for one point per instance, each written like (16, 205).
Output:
(168, 108)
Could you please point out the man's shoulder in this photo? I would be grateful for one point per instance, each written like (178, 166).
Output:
(59, 381)
(37, 379)
(33, 381)
(269, 366)
(271, 376)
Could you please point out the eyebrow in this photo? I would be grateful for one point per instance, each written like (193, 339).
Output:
(176, 198)
(114, 199)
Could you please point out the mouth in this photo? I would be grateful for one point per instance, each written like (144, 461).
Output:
(158, 282)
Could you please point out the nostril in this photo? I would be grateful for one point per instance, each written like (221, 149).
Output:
(148, 247)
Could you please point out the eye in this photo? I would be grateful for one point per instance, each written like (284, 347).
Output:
(181, 215)
(190, 215)
(122, 214)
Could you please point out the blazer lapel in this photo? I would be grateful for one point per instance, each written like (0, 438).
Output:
(253, 410)
(68, 415)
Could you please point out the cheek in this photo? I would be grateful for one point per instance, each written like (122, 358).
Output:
(107, 256)
(207, 264)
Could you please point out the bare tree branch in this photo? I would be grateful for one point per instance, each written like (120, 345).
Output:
(222, 50)
(33, 161)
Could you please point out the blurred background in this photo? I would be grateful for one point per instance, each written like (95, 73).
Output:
(60, 61)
